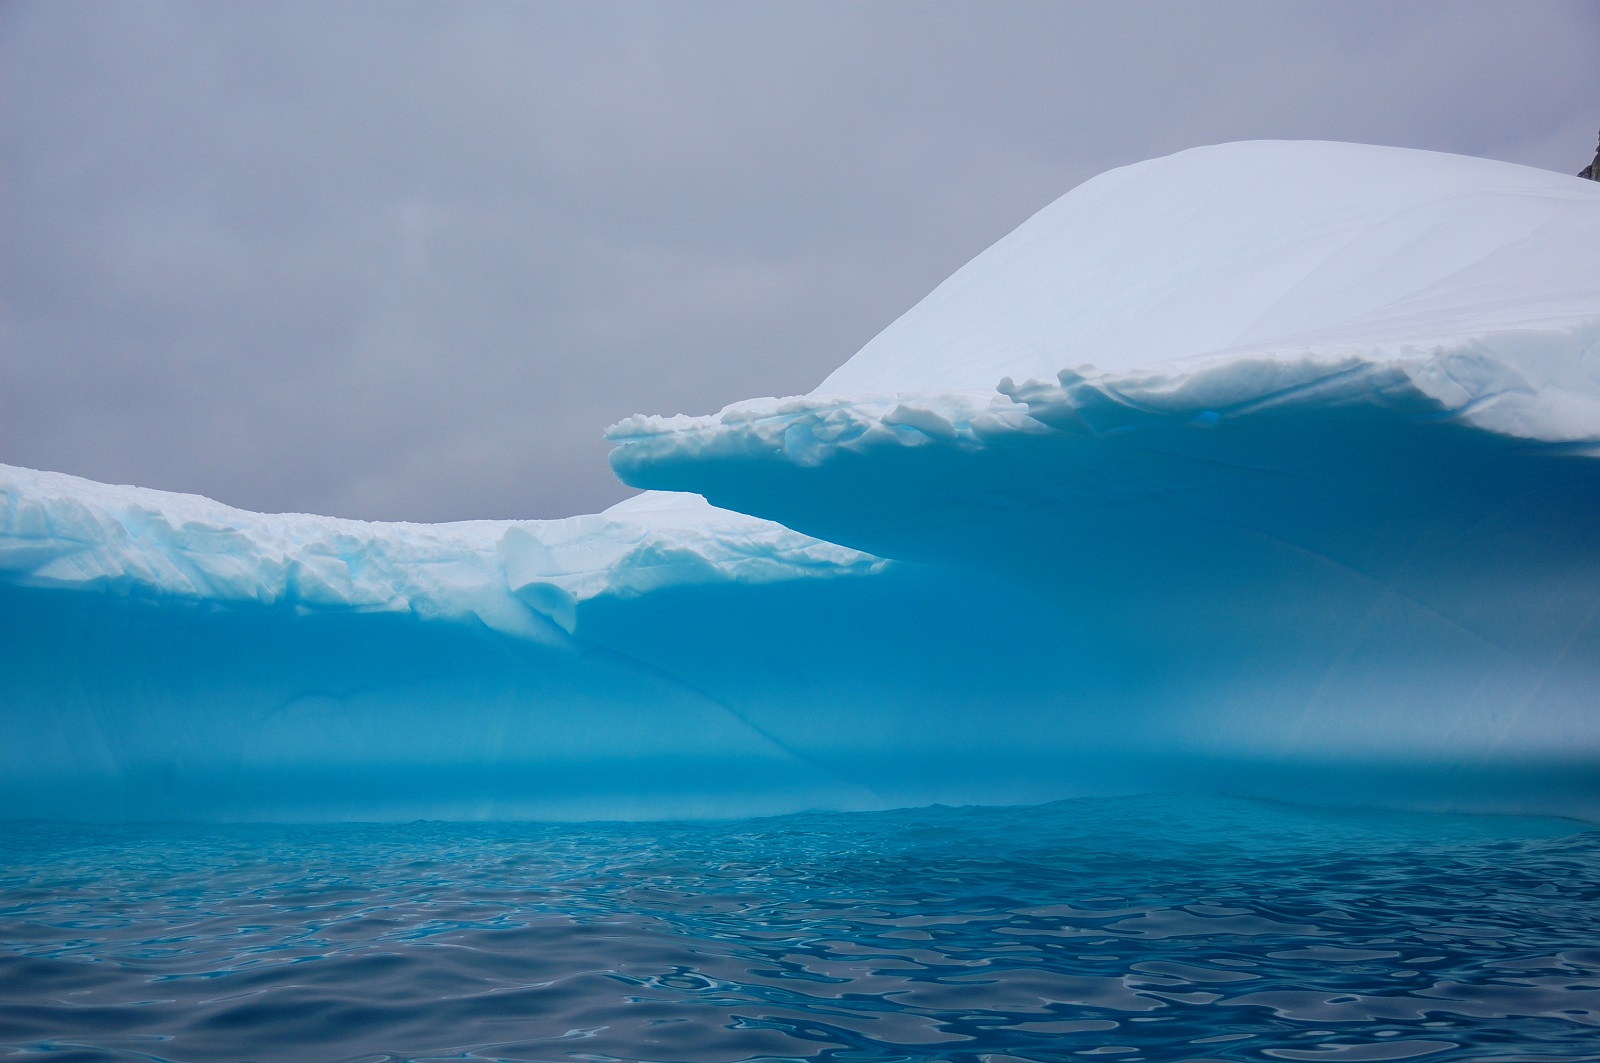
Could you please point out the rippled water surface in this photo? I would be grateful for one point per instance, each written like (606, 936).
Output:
(1133, 929)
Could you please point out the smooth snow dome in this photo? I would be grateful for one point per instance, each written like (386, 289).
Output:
(1250, 246)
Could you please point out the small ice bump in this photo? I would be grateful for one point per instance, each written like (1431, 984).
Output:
(550, 600)
(922, 419)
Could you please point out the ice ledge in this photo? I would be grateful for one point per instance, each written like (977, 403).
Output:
(521, 577)
(1529, 385)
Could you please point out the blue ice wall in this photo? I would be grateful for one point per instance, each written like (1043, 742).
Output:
(118, 708)
(915, 686)
(710, 700)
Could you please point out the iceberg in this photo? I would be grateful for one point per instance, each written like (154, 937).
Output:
(1264, 468)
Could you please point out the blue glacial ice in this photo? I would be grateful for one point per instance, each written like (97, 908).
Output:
(1264, 468)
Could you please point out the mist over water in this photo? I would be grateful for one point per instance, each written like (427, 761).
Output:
(1150, 928)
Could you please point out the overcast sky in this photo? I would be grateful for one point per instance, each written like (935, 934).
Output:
(408, 260)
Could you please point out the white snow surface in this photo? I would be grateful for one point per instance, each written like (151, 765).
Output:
(1237, 249)
(63, 531)
(1222, 279)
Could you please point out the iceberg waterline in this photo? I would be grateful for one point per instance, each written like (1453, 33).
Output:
(1266, 468)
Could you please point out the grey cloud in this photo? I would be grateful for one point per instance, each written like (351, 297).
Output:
(407, 260)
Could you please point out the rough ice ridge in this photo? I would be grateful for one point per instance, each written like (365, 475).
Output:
(65, 532)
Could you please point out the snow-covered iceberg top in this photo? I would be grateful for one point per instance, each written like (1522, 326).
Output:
(1238, 249)
(1220, 282)
(64, 531)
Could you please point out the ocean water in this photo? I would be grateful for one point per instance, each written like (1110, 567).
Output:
(1129, 929)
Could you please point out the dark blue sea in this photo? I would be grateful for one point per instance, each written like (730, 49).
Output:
(1126, 929)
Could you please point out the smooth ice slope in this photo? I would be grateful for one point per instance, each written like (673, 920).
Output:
(1264, 468)
(1263, 246)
